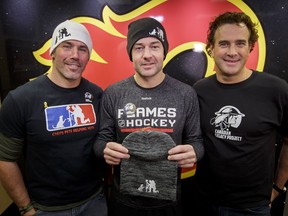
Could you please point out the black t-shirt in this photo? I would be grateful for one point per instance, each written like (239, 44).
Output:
(59, 128)
(240, 123)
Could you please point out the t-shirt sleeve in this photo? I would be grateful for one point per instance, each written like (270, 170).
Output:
(11, 130)
(107, 126)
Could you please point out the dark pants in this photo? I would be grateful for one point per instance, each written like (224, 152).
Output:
(94, 207)
(116, 209)
(255, 211)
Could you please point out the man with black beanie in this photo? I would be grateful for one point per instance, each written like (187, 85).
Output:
(149, 129)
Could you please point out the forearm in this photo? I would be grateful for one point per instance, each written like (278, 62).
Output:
(12, 180)
(281, 175)
(282, 168)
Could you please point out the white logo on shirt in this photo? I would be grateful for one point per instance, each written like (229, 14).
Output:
(226, 117)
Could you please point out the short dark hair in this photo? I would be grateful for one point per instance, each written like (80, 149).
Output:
(231, 18)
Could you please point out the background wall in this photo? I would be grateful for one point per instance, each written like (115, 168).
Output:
(26, 27)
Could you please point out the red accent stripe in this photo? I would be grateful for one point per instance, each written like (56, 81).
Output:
(166, 130)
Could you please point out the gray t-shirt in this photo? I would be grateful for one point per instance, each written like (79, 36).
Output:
(171, 107)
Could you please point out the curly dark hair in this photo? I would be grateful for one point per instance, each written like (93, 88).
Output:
(231, 18)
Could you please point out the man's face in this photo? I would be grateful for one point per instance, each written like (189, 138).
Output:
(70, 59)
(231, 49)
(148, 57)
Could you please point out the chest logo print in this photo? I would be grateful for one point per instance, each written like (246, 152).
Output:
(69, 116)
(226, 117)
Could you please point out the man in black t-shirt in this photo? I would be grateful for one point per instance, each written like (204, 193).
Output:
(52, 121)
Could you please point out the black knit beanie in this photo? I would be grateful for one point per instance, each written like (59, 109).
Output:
(146, 27)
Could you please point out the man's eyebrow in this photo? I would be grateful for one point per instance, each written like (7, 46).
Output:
(153, 42)
(225, 41)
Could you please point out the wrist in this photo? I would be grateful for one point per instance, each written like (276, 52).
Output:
(279, 190)
(27, 208)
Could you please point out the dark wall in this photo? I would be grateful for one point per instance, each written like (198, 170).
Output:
(25, 25)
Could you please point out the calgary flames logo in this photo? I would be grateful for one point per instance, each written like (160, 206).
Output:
(186, 23)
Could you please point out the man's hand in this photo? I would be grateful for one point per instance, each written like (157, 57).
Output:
(184, 154)
(114, 152)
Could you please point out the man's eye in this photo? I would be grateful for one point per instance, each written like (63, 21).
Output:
(66, 46)
(83, 49)
(241, 44)
(223, 44)
(155, 47)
